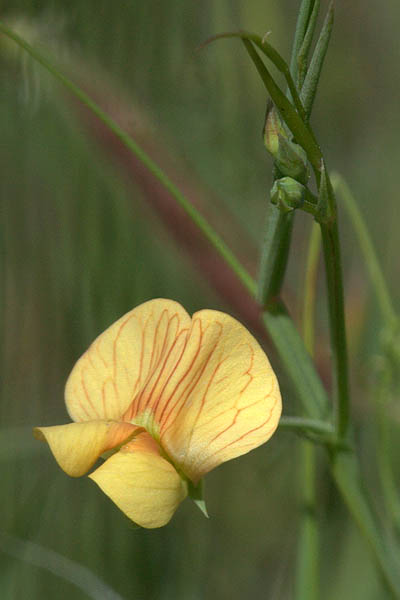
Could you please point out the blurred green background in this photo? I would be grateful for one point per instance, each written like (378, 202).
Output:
(81, 244)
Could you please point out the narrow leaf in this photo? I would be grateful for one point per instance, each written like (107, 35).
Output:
(274, 255)
(302, 58)
(301, 27)
(297, 361)
(310, 85)
(272, 54)
(326, 207)
(299, 129)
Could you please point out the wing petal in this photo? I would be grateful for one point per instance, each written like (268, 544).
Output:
(77, 446)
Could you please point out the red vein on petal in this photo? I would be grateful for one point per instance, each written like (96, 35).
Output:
(219, 450)
(162, 371)
(133, 409)
(103, 395)
(148, 400)
(235, 418)
(251, 430)
(248, 373)
(189, 369)
(210, 381)
(87, 396)
(183, 332)
(96, 348)
(192, 384)
(155, 335)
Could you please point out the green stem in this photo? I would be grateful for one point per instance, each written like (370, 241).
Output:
(307, 571)
(208, 232)
(279, 226)
(333, 267)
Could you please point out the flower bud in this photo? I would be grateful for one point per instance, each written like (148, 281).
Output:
(288, 194)
(290, 158)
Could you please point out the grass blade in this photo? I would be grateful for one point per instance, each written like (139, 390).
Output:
(309, 89)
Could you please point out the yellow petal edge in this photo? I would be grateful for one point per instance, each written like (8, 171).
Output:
(77, 446)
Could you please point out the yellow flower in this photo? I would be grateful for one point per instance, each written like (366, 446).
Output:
(167, 398)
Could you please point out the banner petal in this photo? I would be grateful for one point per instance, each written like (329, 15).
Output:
(223, 399)
(111, 373)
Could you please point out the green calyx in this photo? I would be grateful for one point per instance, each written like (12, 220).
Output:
(288, 194)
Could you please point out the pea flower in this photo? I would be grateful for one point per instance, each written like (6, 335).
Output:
(164, 398)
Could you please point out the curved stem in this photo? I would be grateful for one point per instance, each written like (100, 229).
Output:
(154, 169)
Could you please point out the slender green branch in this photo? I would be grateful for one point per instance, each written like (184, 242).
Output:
(308, 551)
(279, 226)
(371, 260)
(208, 232)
